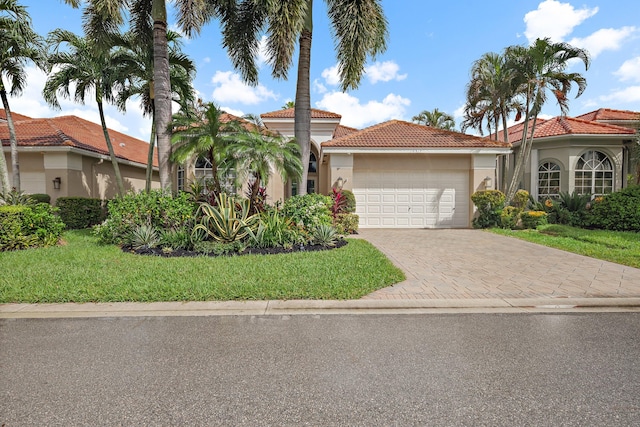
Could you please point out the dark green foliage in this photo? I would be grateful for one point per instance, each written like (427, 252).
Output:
(619, 211)
(532, 219)
(40, 198)
(274, 230)
(509, 217)
(179, 238)
(572, 209)
(350, 204)
(80, 212)
(156, 208)
(490, 204)
(23, 226)
(219, 248)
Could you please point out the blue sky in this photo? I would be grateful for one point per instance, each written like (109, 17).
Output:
(431, 48)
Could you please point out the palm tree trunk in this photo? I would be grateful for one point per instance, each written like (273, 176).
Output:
(152, 142)
(112, 154)
(162, 88)
(505, 157)
(13, 141)
(302, 126)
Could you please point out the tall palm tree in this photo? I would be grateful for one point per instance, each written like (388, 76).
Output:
(191, 16)
(359, 28)
(88, 67)
(540, 68)
(491, 98)
(205, 133)
(259, 155)
(19, 44)
(134, 54)
(436, 118)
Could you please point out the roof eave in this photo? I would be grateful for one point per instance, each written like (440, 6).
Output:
(415, 150)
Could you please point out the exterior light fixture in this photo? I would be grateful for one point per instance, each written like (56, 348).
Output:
(487, 182)
(56, 183)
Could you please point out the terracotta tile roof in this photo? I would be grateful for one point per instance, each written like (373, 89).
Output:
(559, 126)
(289, 113)
(343, 131)
(15, 116)
(401, 134)
(72, 131)
(608, 114)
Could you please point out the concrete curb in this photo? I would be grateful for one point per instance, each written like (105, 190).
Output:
(293, 307)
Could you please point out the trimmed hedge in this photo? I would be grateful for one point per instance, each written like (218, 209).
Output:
(619, 211)
(41, 198)
(29, 226)
(80, 212)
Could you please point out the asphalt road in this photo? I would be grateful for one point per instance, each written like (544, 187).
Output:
(351, 370)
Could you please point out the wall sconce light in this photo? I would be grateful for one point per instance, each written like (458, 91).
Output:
(487, 182)
(340, 183)
(56, 183)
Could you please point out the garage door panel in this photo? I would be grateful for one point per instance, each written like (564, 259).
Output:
(412, 199)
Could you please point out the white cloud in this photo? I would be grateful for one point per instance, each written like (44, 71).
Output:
(358, 115)
(233, 111)
(604, 39)
(629, 70)
(206, 60)
(629, 94)
(263, 56)
(319, 87)
(331, 75)
(554, 20)
(383, 72)
(231, 88)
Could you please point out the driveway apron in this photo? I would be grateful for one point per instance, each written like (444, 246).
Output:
(469, 264)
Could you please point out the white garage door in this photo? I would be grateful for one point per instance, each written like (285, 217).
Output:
(412, 199)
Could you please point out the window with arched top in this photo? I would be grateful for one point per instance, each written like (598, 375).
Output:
(548, 180)
(594, 174)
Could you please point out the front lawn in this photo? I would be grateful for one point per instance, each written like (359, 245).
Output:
(84, 271)
(615, 246)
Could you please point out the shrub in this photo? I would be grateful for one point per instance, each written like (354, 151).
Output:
(28, 226)
(349, 200)
(156, 208)
(520, 199)
(347, 223)
(15, 197)
(509, 217)
(40, 198)
(490, 204)
(179, 238)
(572, 209)
(619, 211)
(325, 236)
(219, 248)
(274, 230)
(80, 212)
(308, 211)
(144, 237)
(532, 219)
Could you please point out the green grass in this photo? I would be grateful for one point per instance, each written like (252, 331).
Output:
(615, 246)
(84, 271)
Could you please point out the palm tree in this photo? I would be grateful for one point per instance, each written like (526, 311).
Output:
(134, 55)
(90, 68)
(19, 44)
(491, 98)
(539, 68)
(289, 104)
(191, 16)
(258, 155)
(436, 119)
(203, 133)
(359, 28)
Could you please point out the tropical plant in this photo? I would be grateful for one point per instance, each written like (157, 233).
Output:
(26, 226)
(89, 68)
(275, 230)
(347, 223)
(255, 156)
(325, 236)
(619, 211)
(309, 210)
(207, 131)
(359, 28)
(227, 222)
(15, 197)
(539, 68)
(436, 119)
(490, 204)
(144, 237)
(533, 219)
(19, 45)
(134, 54)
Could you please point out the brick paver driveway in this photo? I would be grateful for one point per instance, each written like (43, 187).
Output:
(453, 264)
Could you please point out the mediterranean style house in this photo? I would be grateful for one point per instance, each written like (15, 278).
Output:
(402, 174)
(67, 156)
(589, 154)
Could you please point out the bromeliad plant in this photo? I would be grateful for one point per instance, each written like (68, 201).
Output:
(227, 222)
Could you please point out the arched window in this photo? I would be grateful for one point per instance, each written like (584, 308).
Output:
(594, 174)
(548, 180)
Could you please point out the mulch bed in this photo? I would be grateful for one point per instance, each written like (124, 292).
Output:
(249, 251)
